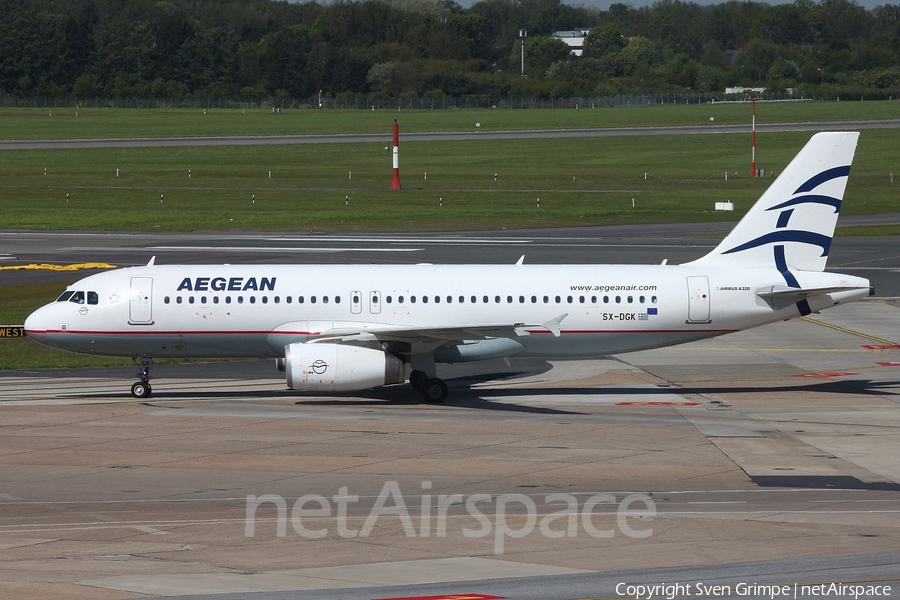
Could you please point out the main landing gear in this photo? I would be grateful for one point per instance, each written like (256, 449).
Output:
(142, 389)
(432, 389)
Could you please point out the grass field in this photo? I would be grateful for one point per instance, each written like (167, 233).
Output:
(63, 123)
(345, 187)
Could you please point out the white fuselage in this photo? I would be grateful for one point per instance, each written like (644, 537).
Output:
(256, 310)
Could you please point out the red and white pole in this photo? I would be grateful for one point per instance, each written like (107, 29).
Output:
(753, 143)
(395, 182)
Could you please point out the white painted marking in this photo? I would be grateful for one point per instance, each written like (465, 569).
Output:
(151, 530)
(277, 249)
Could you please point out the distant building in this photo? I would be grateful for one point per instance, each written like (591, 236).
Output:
(574, 39)
(744, 90)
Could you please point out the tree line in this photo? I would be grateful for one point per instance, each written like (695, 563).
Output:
(250, 49)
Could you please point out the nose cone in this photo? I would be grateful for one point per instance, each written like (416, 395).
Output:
(37, 324)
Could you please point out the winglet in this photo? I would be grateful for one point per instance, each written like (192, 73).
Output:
(152, 261)
(520, 261)
(553, 325)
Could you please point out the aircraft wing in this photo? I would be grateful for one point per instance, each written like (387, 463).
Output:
(443, 333)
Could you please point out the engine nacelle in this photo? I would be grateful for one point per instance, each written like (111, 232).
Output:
(339, 368)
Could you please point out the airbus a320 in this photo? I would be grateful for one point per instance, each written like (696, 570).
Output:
(342, 328)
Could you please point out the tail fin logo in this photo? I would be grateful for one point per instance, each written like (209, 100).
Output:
(812, 184)
(802, 237)
(782, 234)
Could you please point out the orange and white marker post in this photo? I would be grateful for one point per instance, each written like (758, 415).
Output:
(395, 182)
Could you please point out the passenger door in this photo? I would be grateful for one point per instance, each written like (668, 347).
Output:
(698, 300)
(140, 308)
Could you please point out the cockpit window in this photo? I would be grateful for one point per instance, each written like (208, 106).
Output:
(77, 298)
(93, 298)
(65, 296)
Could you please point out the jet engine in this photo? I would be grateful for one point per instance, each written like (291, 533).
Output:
(339, 368)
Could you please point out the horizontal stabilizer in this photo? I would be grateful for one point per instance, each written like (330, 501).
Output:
(782, 292)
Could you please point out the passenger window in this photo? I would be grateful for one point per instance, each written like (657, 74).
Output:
(65, 296)
(641, 299)
(337, 299)
(166, 299)
(288, 299)
(618, 299)
(534, 299)
(387, 299)
(449, 299)
(412, 299)
(653, 299)
(400, 299)
(324, 299)
(355, 299)
(569, 299)
(227, 299)
(299, 299)
(558, 299)
(190, 299)
(484, 299)
(240, 299)
(202, 299)
(593, 299)
(497, 299)
(437, 299)
(509, 299)
(424, 299)
(581, 299)
(277, 300)
(312, 299)
(473, 299)
(630, 299)
(178, 300)
(77, 298)
(605, 299)
(252, 299)
(215, 299)
(93, 298)
(546, 299)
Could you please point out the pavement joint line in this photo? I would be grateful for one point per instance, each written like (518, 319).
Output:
(590, 493)
(46, 527)
(792, 350)
(845, 330)
(862, 262)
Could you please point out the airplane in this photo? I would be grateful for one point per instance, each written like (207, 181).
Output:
(345, 328)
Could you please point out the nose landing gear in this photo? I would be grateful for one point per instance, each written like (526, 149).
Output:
(142, 389)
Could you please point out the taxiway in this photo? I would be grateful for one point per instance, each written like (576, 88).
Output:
(767, 455)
